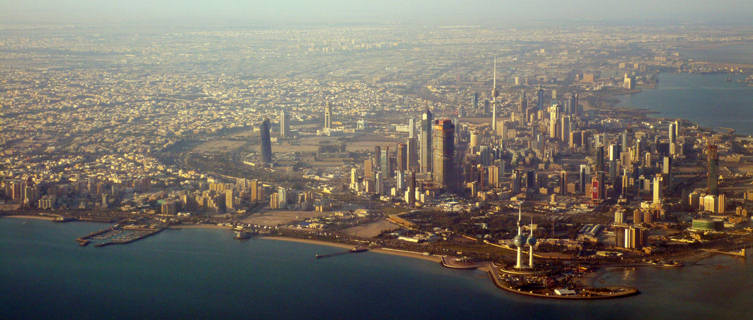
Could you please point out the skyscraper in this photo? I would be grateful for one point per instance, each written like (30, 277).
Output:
(672, 138)
(411, 128)
(426, 146)
(412, 154)
(284, 126)
(582, 173)
(443, 166)
(411, 189)
(712, 157)
(402, 157)
(328, 117)
(554, 115)
(540, 99)
(265, 143)
(667, 171)
(494, 116)
(494, 96)
(523, 105)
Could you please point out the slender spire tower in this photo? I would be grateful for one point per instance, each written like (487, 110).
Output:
(494, 96)
(519, 240)
(531, 243)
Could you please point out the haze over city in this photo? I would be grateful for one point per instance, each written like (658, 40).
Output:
(376, 159)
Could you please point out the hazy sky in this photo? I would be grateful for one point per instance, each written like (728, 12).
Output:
(501, 12)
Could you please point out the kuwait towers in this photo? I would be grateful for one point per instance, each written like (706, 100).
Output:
(520, 241)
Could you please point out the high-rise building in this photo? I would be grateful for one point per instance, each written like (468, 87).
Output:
(523, 105)
(563, 182)
(229, 199)
(494, 117)
(284, 125)
(412, 154)
(411, 128)
(257, 193)
(411, 193)
(540, 99)
(474, 101)
(368, 168)
(265, 143)
(565, 126)
(494, 176)
(599, 158)
(712, 158)
(614, 152)
(425, 155)
(282, 198)
(619, 217)
(384, 162)
(582, 178)
(402, 157)
(443, 167)
(554, 116)
(327, 117)
(657, 189)
(666, 170)
(574, 108)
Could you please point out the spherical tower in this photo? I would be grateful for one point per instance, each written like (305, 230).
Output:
(519, 240)
(531, 241)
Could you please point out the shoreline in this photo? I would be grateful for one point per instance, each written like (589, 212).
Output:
(389, 251)
(26, 216)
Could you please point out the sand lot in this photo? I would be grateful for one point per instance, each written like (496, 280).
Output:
(278, 217)
(371, 230)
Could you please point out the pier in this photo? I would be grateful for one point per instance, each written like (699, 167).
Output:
(739, 253)
(353, 250)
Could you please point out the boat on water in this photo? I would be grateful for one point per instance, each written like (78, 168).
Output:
(241, 235)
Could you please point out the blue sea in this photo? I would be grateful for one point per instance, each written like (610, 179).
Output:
(205, 274)
(707, 99)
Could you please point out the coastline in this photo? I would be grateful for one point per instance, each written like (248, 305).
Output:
(25, 216)
(198, 226)
(389, 251)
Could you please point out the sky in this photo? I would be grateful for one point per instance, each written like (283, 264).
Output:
(484, 12)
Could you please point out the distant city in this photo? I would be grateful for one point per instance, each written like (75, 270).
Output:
(471, 145)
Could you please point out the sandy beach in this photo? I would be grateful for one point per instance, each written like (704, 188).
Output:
(31, 217)
(394, 252)
(199, 226)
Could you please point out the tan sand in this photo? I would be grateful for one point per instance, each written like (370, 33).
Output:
(371, 230)
(199, 226)
(21, 216)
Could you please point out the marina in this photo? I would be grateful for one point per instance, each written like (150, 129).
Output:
(119, 234)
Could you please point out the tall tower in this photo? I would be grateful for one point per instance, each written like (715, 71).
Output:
(523, 105)
(494, 96)
(412, 189)
(713, 169)
(265, 143)
(554, 115)
(284, 126)
(328, 117)
(494, 80)
(411, 128)
(425, 147)
(540, 99)
(443, 165)
(531, 241)
(519, 240)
